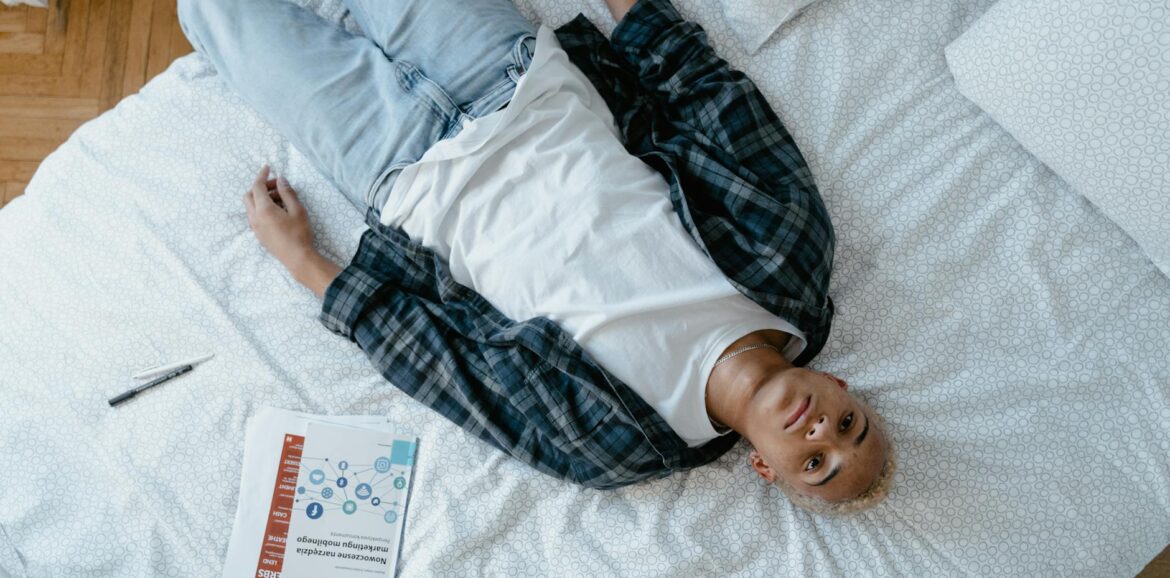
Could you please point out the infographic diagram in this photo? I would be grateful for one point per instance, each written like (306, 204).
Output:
(332, 486)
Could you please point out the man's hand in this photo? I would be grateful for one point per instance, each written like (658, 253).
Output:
(281, 224)
(619, 8)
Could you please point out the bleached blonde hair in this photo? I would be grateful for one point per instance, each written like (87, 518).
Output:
(872, 496)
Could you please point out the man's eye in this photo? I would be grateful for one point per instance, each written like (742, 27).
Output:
(848, 421)
(813, 463)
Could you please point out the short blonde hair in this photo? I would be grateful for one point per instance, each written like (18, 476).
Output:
(872, 496)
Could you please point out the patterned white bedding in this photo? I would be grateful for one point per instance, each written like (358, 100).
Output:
(1015, 339)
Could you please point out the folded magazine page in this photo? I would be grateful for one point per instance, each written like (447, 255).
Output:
(350, 503)
(278, 485)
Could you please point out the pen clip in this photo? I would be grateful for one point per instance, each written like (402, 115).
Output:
(162, 368)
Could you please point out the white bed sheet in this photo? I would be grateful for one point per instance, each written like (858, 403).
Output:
(1014, 338)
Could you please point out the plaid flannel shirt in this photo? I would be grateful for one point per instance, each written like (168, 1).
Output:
(740, 187)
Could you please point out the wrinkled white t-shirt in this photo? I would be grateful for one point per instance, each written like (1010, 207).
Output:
(539, 208)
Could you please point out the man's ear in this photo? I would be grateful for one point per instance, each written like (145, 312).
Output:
(761, 467)
(841, 382)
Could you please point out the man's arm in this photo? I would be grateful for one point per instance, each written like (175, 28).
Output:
(316, 272)
(527, 390)
(619, 8)
(281, 224)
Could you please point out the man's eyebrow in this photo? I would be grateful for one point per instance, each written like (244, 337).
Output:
(857, 442)
(828, 477)
(864, 431)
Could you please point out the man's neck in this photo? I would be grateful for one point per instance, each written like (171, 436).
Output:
(733, 385)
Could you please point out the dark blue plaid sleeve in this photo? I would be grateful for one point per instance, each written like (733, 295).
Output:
(674, 62)
(347, 296)
(523, 387)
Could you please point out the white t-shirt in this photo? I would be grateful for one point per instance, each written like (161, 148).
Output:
(539, 208)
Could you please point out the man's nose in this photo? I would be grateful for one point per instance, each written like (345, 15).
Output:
(820, 429)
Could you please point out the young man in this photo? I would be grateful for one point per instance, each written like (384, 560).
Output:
(603, 257)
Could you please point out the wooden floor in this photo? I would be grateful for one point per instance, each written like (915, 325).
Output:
(62, 66)
(1159, 567)
(65, 65)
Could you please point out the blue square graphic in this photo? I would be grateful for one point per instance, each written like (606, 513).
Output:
(402, 453)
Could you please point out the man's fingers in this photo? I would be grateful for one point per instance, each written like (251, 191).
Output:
(271, 187)
(249, 205)
(261, 178)
(260, 190)
(288, 195)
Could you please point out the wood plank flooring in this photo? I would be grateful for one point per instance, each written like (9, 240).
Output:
(65, 65)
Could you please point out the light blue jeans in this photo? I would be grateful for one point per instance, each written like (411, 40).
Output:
(362, 108)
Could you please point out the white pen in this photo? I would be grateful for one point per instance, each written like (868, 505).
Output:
(161, 369)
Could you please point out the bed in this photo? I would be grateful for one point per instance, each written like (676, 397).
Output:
(1014, 338)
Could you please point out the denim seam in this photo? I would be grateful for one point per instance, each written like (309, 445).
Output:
(492, 97)
(425, 89)
(372, 193)
(518, 50)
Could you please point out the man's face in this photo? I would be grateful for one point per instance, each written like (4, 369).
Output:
(812, 434)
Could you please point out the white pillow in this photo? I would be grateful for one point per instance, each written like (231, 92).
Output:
(754, 21)
(1085, 86)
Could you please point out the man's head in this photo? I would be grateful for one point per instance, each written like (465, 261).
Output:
(827, 450)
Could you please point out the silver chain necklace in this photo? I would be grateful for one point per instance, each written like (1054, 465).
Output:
(718, 426)
(745, 349)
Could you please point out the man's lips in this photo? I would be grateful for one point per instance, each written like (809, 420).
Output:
(800, 411)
